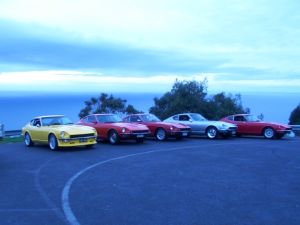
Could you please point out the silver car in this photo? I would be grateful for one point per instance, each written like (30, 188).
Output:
(202, 126)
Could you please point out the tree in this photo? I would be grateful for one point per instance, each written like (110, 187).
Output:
(295, 116)
(185, 96)
(223, 105)
(191, 96)
(106, 104)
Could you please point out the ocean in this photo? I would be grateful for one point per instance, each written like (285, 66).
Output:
(17, 109)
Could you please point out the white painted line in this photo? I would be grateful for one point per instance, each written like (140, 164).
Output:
(65, 197)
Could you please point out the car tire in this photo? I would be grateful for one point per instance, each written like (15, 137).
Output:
(27, 140)
(160, 134)
(139, 140)
(113, 137)
(279, 136)
(52, 142)
(269, 133)
(211, 132)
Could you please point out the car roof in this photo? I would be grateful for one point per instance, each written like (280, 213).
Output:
(241, 114)
(39, 117)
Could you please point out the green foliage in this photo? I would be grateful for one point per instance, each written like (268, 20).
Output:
(14, 139)
(295, 116)
(222, 105)
(106, 104)
(191, 96)
(186, 96)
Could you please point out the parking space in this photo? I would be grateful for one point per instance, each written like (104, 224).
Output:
(192, 181)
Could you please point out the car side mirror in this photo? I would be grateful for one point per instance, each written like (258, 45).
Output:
(190, 120)
(138, 120)
(38, 125)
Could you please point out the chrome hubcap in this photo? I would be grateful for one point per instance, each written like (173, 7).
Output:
(52, 142)
(27, 139)
(161, 135)
(212, 133)
(269, 133)
(113, 138)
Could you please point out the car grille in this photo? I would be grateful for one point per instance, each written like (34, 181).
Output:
(185, 129)
(82, 135)
(140, 132)
(232, 128)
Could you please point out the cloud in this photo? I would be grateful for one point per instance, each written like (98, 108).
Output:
(75, 81)
(236, 41)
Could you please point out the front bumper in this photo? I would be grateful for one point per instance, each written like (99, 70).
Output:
(134, 135)
(285, 131)
(180, 133)
(78, 141)
(228, 132)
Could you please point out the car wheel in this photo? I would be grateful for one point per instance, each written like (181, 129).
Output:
(279, 136)
(89, 146)
(160, 134)
(52, 141)
(140, 140)
(113, 137)
(212, 132)
(269, 133)
(27, 140)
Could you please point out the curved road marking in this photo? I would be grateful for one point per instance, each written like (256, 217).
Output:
(70, 216)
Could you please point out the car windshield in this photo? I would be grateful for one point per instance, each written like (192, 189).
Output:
(251, 118)
(198, 117)
(108, 118)
(56, 120)
(149, 118)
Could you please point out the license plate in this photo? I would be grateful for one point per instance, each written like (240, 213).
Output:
(140, 136)
(82, 140)
(184, 134)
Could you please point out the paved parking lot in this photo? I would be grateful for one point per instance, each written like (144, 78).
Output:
(188, 182)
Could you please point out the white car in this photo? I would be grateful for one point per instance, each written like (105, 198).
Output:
(201, 126)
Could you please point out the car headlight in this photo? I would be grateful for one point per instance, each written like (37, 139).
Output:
(171, 128)
(224, 126)
(62, 134)
(123, 130)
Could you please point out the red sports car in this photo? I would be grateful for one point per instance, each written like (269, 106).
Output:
(110, 127)
(160, 130)
(250, 125)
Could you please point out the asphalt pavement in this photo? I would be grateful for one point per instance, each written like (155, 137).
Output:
(187, 182)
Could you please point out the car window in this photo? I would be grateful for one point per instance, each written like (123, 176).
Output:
(91, 119)
(36, 122)
(230, 118)
(184, 118)
(134, 118)
(239, 118)
(175, 117)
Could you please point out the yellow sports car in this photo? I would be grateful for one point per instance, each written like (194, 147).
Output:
(58, 131)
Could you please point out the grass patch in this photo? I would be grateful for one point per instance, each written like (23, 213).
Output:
(11, 140)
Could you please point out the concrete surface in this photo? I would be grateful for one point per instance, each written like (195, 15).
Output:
(188, 182)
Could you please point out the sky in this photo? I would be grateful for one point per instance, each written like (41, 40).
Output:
(144, 46)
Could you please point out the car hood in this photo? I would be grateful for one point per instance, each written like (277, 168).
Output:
(177, 125)
(131, 126)
(214, 123)
(274, 124)
(73, 129)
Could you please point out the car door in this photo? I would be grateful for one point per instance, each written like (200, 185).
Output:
(35, 127)
(188, 121)
(242, 124)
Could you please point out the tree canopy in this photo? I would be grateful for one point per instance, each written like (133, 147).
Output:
(191, 96)
(106, 104)
(295, 116)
